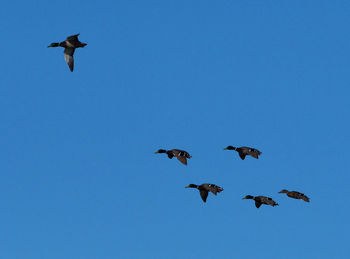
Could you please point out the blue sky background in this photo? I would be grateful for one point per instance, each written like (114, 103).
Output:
(79, 178)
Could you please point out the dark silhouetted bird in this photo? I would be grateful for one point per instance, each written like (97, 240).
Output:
(181, 155)
(205, 188)
(69, 45)
(296, 195)
(245, 151)
(261, 200)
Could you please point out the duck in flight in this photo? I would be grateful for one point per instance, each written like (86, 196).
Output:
(245, 151)
(296, 195)
(261, 200)
(205, 188)
(69, 45)
(181, 155)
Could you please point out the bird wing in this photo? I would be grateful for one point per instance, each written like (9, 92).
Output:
(257, 204)
(214, 188)
(185, 154)
(302, 196)
(182, 159)
(241, 155)
(254, 154)
(73, 37)
(68, 56)
(269, 201)
(180, 155)
(204, 194)
(179, 152)
(298, 195)
(170, 155)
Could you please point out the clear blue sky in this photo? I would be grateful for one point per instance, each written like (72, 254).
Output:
(79, 177)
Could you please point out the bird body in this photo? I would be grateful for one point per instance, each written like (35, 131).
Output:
(259, 200)
(244, 151)
(296, 195)
(69, 45)
(205, 188)
(181, 155)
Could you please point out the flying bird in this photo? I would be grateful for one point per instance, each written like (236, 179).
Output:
(69, 45)
(261, 200)
(205, 188)
(245, 151)
(181, 155)
(296, 195)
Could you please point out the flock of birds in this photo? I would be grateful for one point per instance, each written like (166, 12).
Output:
(205, 188)
(72, 43)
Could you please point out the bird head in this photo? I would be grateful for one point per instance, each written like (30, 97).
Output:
(160, 151)
(53, 45)
(191, 186)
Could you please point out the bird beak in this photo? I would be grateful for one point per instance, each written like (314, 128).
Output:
(187, 186)
(156, 152)
(225, 148)
(244, 198)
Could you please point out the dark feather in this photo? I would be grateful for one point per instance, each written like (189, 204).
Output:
(298, 195)
(204, 194)
(182, 159)
(68, 56)
(73, 37)
(205, 188)
(245, 151)
(257, 204)
(242, 155)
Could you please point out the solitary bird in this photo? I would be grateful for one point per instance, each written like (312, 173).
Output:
(261, 200)
(181, 155)
(244, 151)
(69, 45)
(296, 195)
(205, 188)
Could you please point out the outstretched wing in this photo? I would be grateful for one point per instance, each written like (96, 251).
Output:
(68, 56)
(241, 155)
(298, 195)
(182, 159)
(170, 155)
(303, 197)
(73, 37)
(204, 194)
(258, 204)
